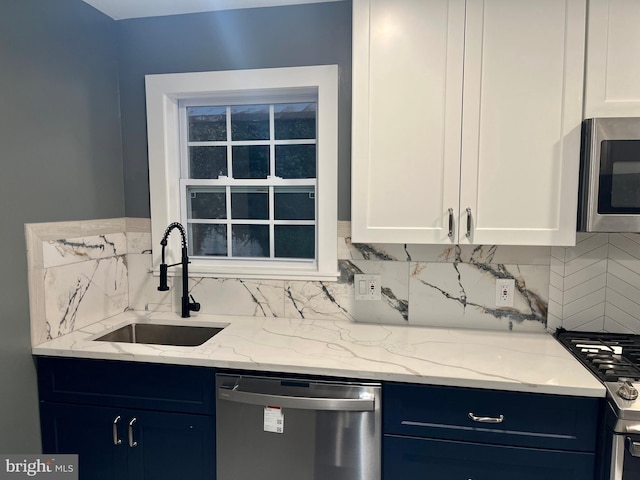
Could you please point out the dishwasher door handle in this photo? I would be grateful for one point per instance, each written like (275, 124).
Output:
(301, 403)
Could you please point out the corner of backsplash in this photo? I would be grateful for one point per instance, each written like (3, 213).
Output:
(78, 274)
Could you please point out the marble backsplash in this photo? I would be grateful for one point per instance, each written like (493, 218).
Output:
(81, 272)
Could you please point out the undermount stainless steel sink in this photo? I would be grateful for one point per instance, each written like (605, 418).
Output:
(161, 334)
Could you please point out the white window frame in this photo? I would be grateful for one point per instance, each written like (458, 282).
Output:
(164, 93)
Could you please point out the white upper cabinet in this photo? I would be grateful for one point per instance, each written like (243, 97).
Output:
(612, 86)
(466, 106)
(407, 107)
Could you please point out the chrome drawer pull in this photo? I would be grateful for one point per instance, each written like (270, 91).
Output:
(468, 234)
(132, 442)
(450, 234)
(116, 440)
(486, 419)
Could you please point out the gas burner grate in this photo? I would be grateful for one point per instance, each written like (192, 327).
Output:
(610, 356)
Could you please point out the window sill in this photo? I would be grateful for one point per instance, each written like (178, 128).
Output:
(252, 274)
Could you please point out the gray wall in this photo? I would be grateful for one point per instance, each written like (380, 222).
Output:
(314, 34)
(60, 159)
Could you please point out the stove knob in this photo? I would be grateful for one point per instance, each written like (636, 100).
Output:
(628, 391)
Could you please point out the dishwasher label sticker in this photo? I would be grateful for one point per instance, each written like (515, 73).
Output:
(273, 419)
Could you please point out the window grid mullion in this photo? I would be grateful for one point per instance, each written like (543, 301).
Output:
(240, 143)
(229, 147)
(272, 147)
(228, 187)
(272, 174)
(272, 238)
(229, 236)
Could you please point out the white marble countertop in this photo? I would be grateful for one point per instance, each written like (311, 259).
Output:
(514, 361)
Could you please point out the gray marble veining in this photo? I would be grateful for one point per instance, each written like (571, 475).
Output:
(526, 362)
(463, 295)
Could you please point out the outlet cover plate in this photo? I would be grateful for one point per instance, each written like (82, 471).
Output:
(505, 291)
(367, 287)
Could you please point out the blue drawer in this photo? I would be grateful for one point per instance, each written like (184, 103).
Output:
(149, 386)
(529, 420)
(426, 459)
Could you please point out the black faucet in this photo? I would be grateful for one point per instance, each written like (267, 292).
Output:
(187, 306)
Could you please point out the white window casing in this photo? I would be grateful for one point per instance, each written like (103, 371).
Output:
(165, 92)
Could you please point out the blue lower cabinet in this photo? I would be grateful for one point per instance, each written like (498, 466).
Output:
(116, 443)
(172, 446)
(87, 432)
(410, 458)
(129, 420)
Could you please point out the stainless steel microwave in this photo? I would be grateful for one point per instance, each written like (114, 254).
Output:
(609, 195)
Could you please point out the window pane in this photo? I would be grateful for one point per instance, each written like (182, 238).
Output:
(295, 241)
(207, 240)
(207, 162)
(209, 202)
(250, 203)
(294, 120)
(207, 124)
(296, 161)
(250, 161)
(250, 122)
(294, 203)
(250, 240)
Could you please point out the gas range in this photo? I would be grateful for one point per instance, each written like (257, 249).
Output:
(615, 360)
(610, 356)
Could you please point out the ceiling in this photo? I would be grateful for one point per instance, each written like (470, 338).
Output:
(122, 9)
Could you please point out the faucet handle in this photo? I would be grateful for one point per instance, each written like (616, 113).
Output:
(193, 305)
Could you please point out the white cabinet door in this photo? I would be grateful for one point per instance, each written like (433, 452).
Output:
(407, 103)
(612, 82)
(462, 105)
(523, 76)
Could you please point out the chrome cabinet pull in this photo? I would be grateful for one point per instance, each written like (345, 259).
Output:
(132, 442)
(486, 419)
(450, 223)
(468, 234)
(116, 440)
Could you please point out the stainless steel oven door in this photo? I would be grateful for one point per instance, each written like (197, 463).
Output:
(625, 457)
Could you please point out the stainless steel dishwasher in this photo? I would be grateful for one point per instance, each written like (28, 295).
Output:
(274, 428)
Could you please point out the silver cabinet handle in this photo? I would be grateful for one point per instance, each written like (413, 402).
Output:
(302, 403)
(634, 448)
(132, 442)
(468, 234)
(116, 440)
(486, 419)
(450, 223)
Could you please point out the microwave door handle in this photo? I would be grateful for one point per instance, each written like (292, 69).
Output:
(301, 403)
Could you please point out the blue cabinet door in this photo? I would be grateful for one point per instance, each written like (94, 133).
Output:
(409, 458)
(172, 446)
(126, 444)
(88, 432)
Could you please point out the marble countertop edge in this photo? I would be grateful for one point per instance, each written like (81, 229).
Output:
(509, 361)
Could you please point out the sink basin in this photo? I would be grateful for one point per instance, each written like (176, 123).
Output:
(159, 334)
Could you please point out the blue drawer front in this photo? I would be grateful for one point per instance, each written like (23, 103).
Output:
(426, 459)
(127, 384)
(530, 420)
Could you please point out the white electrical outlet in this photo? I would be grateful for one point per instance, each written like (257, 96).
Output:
(505, 288)
(367, 287)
